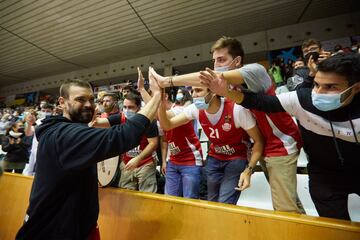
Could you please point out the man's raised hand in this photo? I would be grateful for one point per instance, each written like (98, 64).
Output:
(215, 81)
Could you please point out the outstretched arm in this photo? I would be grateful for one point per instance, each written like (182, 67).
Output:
(167, 122)
(191, 79)
(260, 101)
(257, 150)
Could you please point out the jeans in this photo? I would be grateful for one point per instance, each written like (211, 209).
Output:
(222, 178)
(182, 180)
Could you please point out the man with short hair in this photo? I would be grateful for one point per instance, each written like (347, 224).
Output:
(313, 54)
(124, 91)
(138, 165)
(299, 62)
(45, 111)
(64, 197)
(301, 72)
(329, 120)
(110, 104)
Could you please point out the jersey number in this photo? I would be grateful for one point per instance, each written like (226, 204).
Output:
(214, 133)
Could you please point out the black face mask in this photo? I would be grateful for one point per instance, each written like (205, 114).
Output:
(83, 115)
(315, 56)
(302, 72)
(21, 130)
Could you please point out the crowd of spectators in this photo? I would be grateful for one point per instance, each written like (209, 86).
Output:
(17, 126)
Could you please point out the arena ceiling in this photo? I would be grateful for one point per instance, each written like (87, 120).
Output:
(40, 38)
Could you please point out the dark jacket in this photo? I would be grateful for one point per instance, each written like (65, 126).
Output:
(331, 139)
(17, 152)
(64, 196)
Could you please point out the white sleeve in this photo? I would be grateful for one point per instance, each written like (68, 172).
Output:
(243, 118)
(191, 112)
(256, 77)
(177, 110)
(29, 169)
(290, 102)
(161, 131)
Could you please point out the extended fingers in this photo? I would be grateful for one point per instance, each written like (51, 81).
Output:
(211, 72)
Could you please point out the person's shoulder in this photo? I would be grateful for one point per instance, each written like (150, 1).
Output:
(254, 65)
(190, 108)
(304, 94)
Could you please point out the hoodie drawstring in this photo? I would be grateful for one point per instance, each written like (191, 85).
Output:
(337, 145)
(353, 129)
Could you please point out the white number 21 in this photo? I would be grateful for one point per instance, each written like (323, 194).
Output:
(214, 133)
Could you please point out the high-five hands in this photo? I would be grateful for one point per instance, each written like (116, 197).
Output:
(215, 81)
(154, 81)
(141, 80)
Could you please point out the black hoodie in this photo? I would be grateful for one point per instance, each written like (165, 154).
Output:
(331, 139)
(64, 196)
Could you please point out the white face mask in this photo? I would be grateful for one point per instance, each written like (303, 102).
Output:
(46, 114)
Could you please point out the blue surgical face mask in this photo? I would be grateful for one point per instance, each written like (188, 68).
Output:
(129, 114)
(179, 96)
(224, 68)
(330, 101)
(200, 102)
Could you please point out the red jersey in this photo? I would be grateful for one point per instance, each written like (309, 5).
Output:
(106, 115)
(281, 134)
(227, 141)
(184, 146)
(126, 157)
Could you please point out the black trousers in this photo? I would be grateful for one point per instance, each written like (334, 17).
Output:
(330, 192)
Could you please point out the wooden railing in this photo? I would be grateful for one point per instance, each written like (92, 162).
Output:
(135, 215)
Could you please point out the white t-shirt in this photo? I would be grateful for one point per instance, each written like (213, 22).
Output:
(242, 117)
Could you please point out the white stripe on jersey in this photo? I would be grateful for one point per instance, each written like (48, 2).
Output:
(197, 155)
(288, 141)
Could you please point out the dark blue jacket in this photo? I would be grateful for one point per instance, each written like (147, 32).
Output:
(64, 196)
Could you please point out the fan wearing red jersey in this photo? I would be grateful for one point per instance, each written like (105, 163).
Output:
(228, 128)
(281, 135)
(183, 170)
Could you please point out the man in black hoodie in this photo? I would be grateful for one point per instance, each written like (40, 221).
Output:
(64, 196)
(329, 121)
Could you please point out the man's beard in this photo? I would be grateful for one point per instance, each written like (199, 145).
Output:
(84, 115)
(109, 109)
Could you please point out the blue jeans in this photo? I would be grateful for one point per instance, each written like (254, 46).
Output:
(182, 181)
(222, 178)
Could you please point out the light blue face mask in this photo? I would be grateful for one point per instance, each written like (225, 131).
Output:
(329, 101)
(222, 69)
(129, 114)
(179, 96)
(200, 102)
